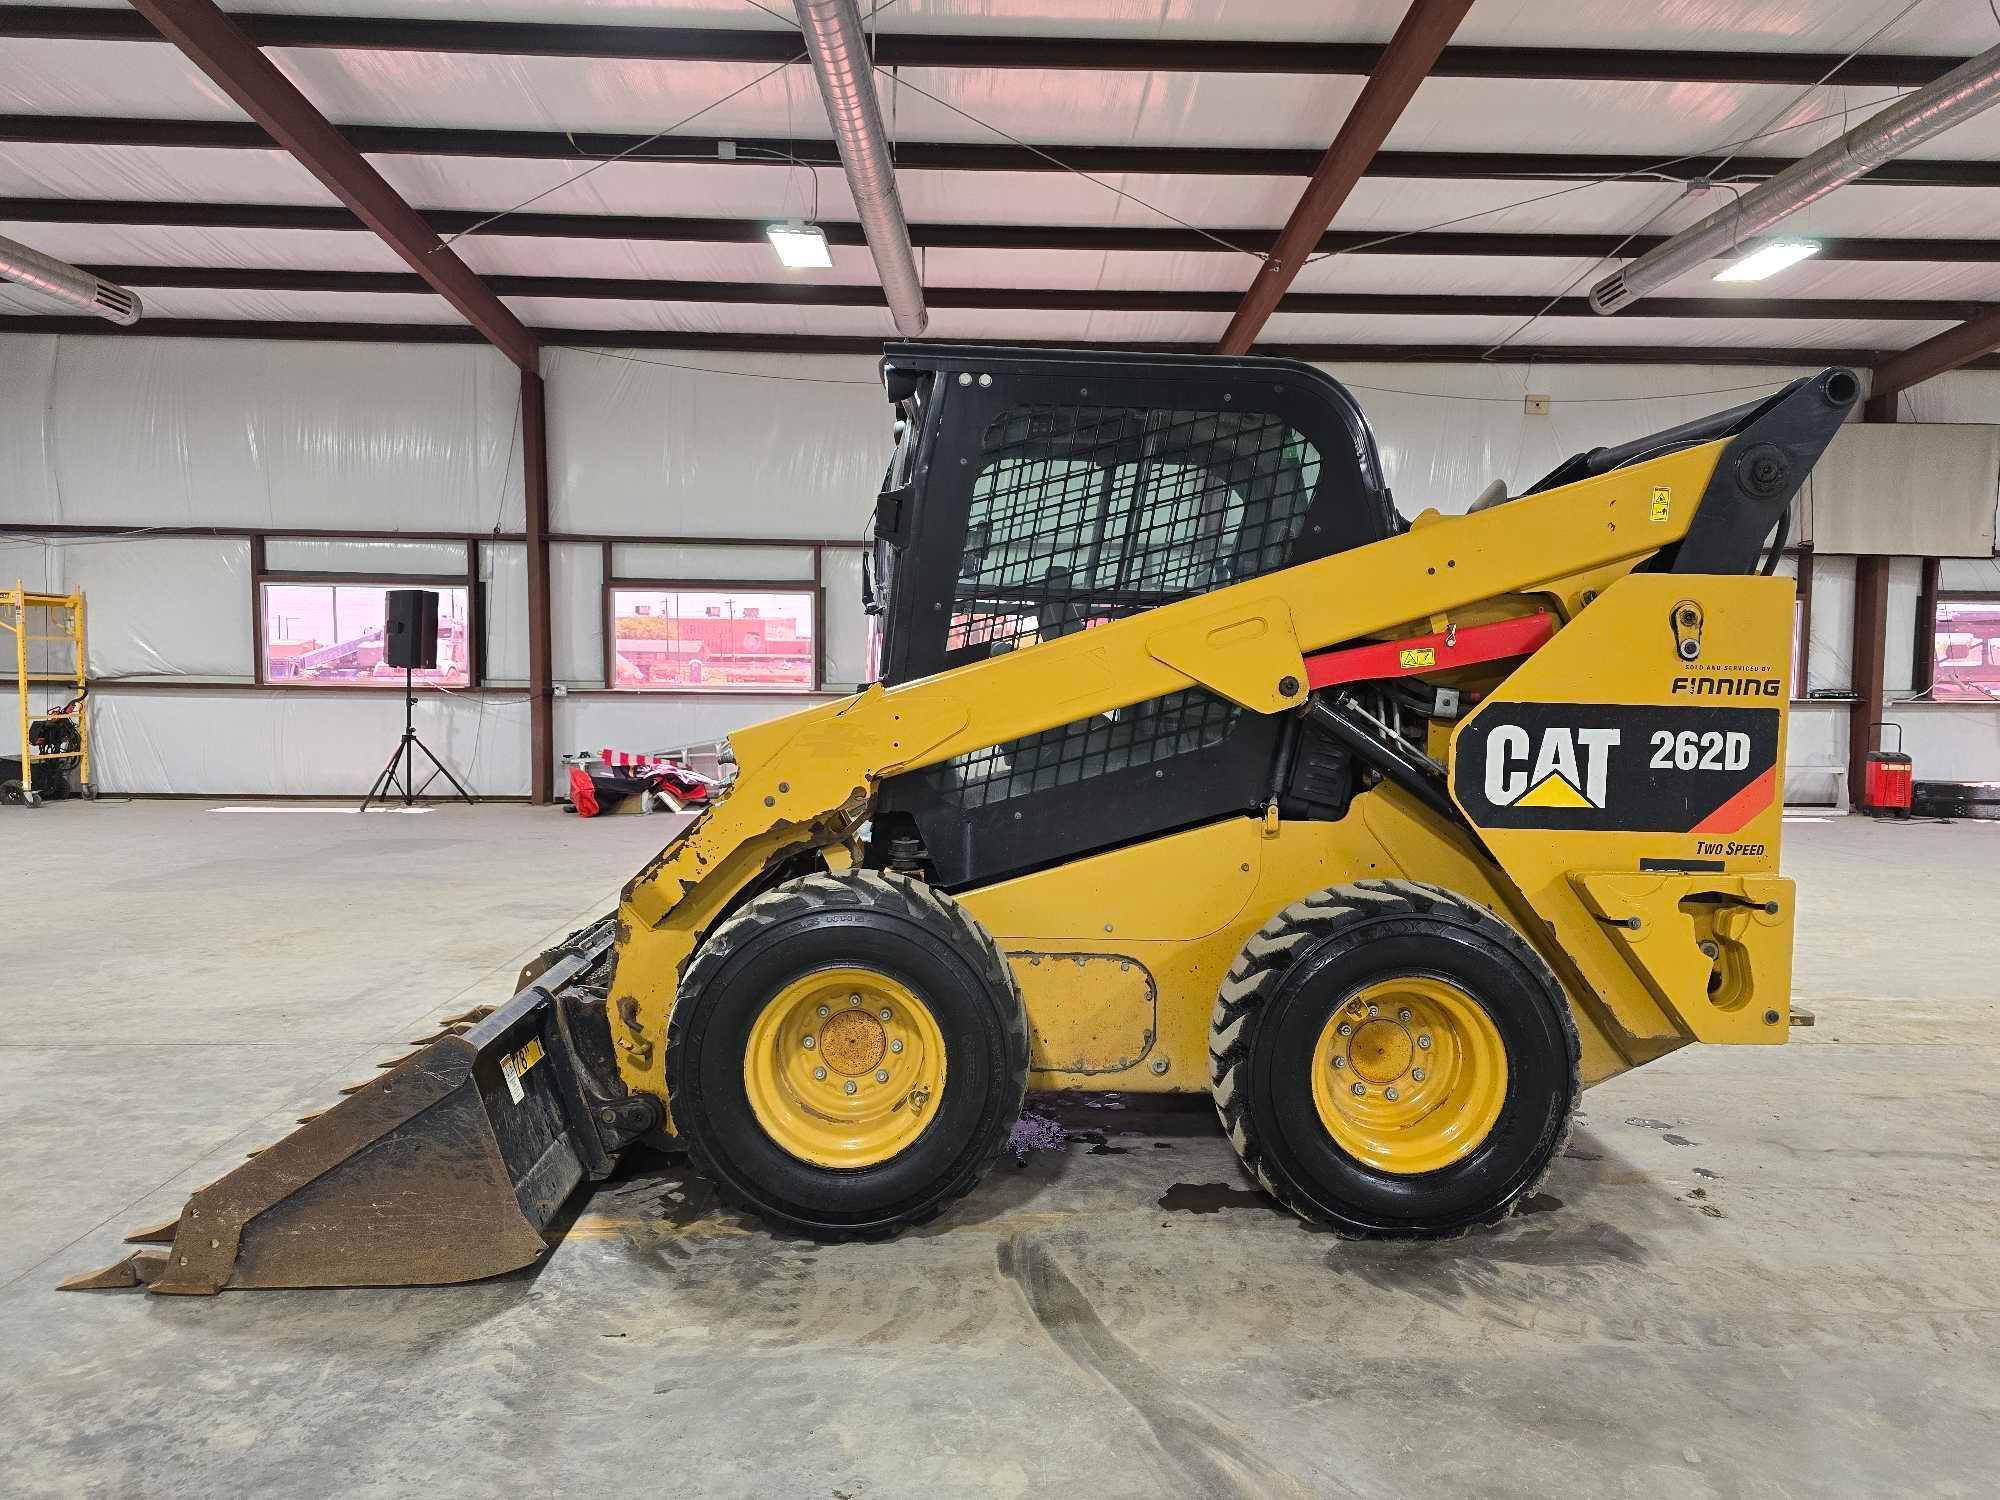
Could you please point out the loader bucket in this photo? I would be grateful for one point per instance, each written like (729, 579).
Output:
(447, 1168)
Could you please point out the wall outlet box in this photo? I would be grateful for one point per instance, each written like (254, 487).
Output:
(1535, 406)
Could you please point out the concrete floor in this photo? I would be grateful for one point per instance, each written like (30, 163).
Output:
(1755, 1273)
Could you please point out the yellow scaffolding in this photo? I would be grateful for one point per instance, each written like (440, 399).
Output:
(60, 617)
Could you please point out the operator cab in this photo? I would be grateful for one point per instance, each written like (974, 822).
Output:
(1034, 494)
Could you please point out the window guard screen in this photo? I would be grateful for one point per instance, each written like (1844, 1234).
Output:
(1144, 734)
(1084, 514)
(1080, 515)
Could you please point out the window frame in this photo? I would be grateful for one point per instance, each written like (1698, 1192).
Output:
(1927, 621)
(812, 587)
(475, 617)
(1801, 554)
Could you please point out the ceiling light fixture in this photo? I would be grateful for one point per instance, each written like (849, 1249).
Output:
(1767, 260)
(801, 246)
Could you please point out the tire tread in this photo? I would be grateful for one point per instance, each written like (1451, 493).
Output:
(1258, 970)
(881, 892)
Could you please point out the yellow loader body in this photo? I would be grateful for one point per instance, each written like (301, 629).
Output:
(1178, 909)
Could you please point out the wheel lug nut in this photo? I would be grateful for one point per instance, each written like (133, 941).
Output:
(1360, 1089)
(1424, 1042)
(883, 1012)
(1403, 1014)
(820, 1074)
(881, 1075)
(849, 1086)
(1374, 1010)
(853, 999)
(807, 1043)
(824, 1013)
(1345, 1029)
(1390, 1094)
(1416, 1075)
(896, 1045)
(1340, 1062)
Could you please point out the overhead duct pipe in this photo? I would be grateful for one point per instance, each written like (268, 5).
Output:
(1965, 91)
(846, 82)
(67, 283)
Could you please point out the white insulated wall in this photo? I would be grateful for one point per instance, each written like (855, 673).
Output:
(127, 433)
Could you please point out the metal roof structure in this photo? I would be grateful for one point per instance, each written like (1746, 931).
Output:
(1074, 171)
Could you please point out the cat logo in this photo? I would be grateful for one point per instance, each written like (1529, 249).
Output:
(1570, 768)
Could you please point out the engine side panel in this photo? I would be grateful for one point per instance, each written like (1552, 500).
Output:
(1629, 779)
(1178, 910)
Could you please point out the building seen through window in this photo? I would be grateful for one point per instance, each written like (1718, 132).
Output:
(720, 639)
(329, 634)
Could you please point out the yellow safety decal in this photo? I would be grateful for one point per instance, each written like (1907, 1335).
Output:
(514, 1064)
(1417, 656)
(1663, 504)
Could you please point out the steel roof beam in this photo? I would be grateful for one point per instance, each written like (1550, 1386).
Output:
(234, 64)
(1954, 349)
(966, 156)
(1115, 237)
(1404, 65)
(931, 50)
(636, 338)
(1043, 299)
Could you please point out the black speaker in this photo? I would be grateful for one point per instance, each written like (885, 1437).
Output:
(410, 631)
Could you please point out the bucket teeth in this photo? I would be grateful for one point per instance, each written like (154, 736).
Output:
(308, 1119)
(155, 1234)
(140, 1268)
(355, 1088)
(471, 1017)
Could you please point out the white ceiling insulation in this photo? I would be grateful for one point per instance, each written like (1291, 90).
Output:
(1654, 121)
(1749, 25)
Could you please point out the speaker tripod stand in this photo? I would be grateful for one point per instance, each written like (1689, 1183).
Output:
(398, 779)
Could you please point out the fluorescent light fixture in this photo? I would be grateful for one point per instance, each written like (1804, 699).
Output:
(1767, 260)
(801, 247)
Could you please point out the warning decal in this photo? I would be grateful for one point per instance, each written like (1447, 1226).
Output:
(1615, 767)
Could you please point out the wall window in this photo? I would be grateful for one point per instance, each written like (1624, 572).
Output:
(715, 638)
(328, 634)
(1965, 648)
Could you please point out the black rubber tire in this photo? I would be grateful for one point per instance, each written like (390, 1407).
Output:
(1299, 969)
(908, 930)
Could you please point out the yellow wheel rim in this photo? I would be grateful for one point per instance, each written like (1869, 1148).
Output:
(845, 1067)
(1409, 1074)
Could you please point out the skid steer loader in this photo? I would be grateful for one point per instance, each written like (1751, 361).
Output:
(1192, 766)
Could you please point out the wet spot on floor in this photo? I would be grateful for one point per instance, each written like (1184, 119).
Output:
(1678, 1140)
(1645, 1124)
(1541, 1203)
(1581, 1156)
(1711, 1176)
(1209, 1198)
